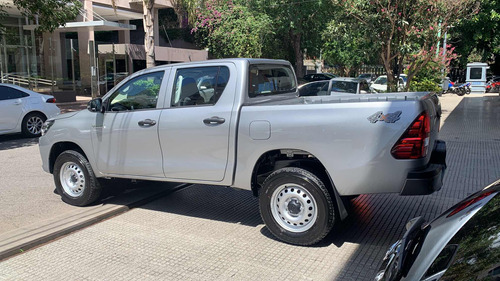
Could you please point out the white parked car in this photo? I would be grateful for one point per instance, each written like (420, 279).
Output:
(380, 84)
(22, 110)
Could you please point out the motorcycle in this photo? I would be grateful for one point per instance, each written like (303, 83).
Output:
(463, 89)
(493, 87)
(459, 89)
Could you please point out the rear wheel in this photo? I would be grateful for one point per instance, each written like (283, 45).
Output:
(75, 180)
(32, 124)
(296, 206)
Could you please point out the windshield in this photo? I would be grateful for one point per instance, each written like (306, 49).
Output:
(268, 79)
(381, 81)
(363, 76)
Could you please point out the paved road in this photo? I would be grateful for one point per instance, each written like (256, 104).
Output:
(215, 233)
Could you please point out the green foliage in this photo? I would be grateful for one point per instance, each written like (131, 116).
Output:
(347, 46)
(428, 79)
(231, 30)
(406, 32)
(478, 36)
(51, 13)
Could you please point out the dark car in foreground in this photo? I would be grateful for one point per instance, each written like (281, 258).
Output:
(318, 77)
(463, 243)
(340, 85)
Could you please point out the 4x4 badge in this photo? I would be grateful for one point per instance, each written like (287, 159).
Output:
(388, 118)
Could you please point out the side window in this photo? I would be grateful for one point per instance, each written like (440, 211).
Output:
(199, 85)
(138, 93)
(8, 93)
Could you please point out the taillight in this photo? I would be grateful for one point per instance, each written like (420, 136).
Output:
(414, 143)
(51, 100)
(469, 202)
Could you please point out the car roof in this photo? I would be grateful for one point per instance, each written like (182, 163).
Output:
(348, 79)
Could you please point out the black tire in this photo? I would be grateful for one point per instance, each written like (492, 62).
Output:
(32, 124)
(305, 192)
(87, 188)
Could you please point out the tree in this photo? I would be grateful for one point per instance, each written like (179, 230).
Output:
(50, 14)
(347, 45)
(299, 25)
(149, 40)
(479, 34)
(231, 30)
(406, 31)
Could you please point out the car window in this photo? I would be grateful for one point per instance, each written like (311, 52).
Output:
(344, 87)
(139, 93)
(8, 93)
(477, 255)
(269, 79)
(199, 85)
(314, 89)
(381, 81)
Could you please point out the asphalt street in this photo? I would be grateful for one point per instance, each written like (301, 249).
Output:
(215, 233)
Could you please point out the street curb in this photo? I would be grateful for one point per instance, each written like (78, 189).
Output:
(19, 240)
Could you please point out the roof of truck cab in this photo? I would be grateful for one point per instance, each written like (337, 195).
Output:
(231, 60)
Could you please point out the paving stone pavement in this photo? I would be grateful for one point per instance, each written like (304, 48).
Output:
(215, 233)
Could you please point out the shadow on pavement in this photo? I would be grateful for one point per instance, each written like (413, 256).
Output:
(375, 221)
(16, 141)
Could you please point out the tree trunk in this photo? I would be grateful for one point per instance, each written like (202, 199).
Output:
(149, 41)
(299, 55)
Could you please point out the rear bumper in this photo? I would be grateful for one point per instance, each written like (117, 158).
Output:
(429, 179)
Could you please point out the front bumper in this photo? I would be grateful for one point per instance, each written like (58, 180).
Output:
(430, 179)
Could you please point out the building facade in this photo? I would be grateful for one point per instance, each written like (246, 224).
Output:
(90, 55)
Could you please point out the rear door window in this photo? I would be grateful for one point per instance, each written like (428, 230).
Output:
(199, 85)
(8, 93)
(268, 79)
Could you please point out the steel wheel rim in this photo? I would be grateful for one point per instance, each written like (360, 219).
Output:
(294, 208)
(72, 179)
(34, 125)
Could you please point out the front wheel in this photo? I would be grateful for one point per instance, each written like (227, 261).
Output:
(296, 206)
(75, 180)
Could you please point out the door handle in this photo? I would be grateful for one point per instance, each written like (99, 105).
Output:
(147, 123)
(18, 102)
(214, 121)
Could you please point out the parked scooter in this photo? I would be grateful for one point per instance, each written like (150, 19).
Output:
(459, 89)
(463, 89)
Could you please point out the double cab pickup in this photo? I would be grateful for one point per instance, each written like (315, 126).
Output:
(240, 123)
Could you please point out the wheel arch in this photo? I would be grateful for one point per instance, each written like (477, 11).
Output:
(273, 160)
(34, 111)
(59, 148)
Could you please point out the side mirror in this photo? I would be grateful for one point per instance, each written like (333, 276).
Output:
(95, 105)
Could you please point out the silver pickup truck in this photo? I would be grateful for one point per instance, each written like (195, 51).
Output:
(240, 123)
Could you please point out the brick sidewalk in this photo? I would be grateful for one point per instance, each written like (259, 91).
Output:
(215, 233)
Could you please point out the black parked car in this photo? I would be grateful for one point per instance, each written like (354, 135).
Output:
(463, 243)
(318, 77)
(339, 85)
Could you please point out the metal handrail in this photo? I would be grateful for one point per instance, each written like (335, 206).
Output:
(27, 80)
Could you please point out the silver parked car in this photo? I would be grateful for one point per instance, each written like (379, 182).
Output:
(22, 110)
(463, 243)
(239, 123)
